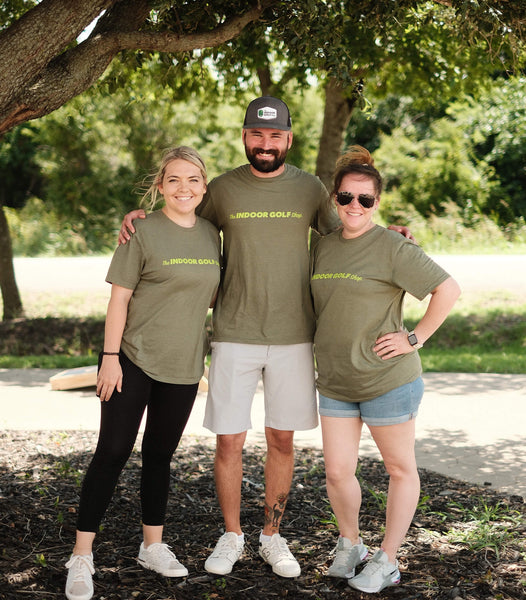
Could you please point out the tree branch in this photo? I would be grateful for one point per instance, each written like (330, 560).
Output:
(39, 35)
(172, 42)
(75, 70)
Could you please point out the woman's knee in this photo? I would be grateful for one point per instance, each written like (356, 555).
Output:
(338, 472)
(112, 455)
(402, 470)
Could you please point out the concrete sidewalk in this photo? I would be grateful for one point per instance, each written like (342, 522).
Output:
(470, 426)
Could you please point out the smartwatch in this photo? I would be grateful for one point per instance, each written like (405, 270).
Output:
(413, 340)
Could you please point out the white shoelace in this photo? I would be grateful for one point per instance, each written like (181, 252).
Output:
(225, 549)
(162, 551)
(341, 558)
(278, 546)
(79, 563)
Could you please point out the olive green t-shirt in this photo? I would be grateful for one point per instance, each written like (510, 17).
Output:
(358, 288)
(174, 273)
(264, 297)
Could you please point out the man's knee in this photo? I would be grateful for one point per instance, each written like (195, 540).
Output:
(230, 445)
(280, 441)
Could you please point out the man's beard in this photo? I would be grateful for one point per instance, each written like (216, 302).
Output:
(265, 166)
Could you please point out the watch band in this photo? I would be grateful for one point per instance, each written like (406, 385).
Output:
(413, 340)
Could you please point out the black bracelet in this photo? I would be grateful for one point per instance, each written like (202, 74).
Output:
(110, 353)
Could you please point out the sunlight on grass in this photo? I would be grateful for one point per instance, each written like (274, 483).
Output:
(485, 333)
(469, 303)
(468, 360)
(484, 336)
(78, 304)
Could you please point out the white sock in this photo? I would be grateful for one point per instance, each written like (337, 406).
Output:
(264, 538)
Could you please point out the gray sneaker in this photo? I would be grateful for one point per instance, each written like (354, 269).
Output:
(79, 584)
(158, 557)
(347, 558)
(377, 574)
(226, 553)
(277, 554)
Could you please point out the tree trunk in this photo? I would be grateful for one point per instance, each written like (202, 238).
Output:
(10, 294)
(337, 112)
(265, 81)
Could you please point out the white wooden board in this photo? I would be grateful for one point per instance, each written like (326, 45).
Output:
(74, 378)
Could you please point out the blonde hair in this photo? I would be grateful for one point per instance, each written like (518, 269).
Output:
(357, 160)
(151, 197)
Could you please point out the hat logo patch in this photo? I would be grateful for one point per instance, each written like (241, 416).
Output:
(267, 113)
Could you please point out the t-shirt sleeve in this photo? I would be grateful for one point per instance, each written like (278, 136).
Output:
(326, 220)
(415, 272)
(127, 264)
(206, 209)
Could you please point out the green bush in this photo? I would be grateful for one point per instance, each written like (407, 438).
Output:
(36, 231)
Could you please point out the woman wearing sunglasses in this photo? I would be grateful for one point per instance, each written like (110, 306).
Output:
(369, 370)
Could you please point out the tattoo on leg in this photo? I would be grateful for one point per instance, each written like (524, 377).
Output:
(274, 514)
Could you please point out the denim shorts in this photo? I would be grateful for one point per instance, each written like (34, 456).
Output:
(397, 406)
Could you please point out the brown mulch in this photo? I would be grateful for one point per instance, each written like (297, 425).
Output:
(40, 477)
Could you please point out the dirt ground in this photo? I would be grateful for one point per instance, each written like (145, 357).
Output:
(40, 477)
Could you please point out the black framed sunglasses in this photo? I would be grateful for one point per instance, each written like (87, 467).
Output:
(366, 200)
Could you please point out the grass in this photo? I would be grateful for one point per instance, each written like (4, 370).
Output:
(480, 527)
(488, 337)
(485, 527)
(56, 361)
(485, 332)
(473, 360)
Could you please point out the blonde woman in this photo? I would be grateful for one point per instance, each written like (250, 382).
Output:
(163, 283)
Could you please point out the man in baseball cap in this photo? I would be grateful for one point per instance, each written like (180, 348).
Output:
(263, 323)
(267, 136)
(267, 112)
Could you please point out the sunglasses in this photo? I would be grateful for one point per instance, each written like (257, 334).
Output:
(366, 200)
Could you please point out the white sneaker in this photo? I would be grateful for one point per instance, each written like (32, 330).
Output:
(226, 553)
(277, 554)
(377, 574)
(158, 557)
(347, 558)
(79, 584)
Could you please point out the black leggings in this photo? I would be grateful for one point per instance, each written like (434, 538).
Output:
(169, 406)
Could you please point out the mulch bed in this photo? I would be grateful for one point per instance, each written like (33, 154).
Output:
(40, 477)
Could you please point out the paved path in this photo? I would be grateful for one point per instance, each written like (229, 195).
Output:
(470, 426)
(474, 273)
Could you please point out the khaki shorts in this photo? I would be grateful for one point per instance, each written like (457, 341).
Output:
(287, 373)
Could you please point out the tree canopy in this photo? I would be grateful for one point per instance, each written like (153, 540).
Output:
(43, 66)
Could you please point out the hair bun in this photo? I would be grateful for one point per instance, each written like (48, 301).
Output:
(355, 155)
